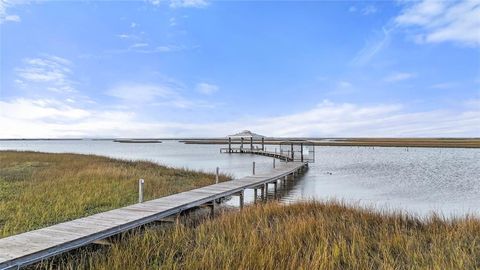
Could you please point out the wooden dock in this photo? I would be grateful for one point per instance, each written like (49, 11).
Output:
(281, 156)
(30, 247)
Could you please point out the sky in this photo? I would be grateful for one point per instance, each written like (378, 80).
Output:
(198, 68)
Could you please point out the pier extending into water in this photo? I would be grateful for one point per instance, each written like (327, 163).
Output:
(34, 246)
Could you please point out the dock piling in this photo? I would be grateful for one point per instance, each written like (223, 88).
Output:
(241, 199)
(140, 190)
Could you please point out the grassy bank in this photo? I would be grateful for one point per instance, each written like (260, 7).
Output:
(40, 189)
(300, 236)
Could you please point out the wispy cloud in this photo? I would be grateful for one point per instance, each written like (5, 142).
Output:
(164, 94)
(444, 85)
(50, 72)
(5, 16)
(368, 10)
(399, 76)
(441, 21)
(206, 88)
(188, 3)
(373, 46)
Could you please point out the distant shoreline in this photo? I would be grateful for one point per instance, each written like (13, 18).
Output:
(366, 142)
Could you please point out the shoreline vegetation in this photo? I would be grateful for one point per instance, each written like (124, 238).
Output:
(41, 189)
(303, 235)
(137, 141)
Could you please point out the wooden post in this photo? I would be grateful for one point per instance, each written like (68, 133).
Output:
(229, 144)
(301, 152)
(262, 189)
(255, 195)
(241, 199)
(253, 168)
(292, 151)
(263, 144)
(212, 209)
(275, 189)
(285, 181)
(241, 144)
(216, 175)
(265, 187)
(251, 143)
(140, 190)
(274, 163)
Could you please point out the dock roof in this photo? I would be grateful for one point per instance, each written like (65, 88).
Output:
(246, 134)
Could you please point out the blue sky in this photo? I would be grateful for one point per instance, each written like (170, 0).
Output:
(197, 68)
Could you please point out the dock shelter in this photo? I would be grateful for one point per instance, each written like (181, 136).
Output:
(246, 135)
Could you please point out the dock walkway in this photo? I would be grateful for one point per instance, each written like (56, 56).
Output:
(33, 246)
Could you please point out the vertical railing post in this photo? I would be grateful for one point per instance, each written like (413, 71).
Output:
(263, 144)
(301, 152)
(241, 199)
(216, 175)
(229, 144)
(293, 159)
(253, 168)
(251, 143)
(274, 163)
(241, 144)
(140, 190)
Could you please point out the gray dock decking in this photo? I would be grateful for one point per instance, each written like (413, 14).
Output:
(33, 246)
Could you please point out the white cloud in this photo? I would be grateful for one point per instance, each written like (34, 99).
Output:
(399, 76)
(441, 21)
(125, 36)
(344, 84)
(368, 10)
(48, 72)
(12, 18)
(133, 24)
(206, 88)
(165, 94)
(352, 9)
(142, 93)
(46, 109)
(188, 3)
(155, 2)
(57, 119)
(4, 15)
(444, 85)
(139, 45)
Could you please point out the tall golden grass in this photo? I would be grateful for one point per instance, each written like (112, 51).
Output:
(308, 235)
(40, 189)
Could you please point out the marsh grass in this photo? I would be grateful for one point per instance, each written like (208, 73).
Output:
(307, 235)
(41, 189)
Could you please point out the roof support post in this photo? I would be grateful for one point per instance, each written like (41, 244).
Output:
(301, 152)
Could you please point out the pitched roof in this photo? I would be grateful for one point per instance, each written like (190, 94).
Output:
(246, 134)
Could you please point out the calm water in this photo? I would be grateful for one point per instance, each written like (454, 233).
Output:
(418, 180)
